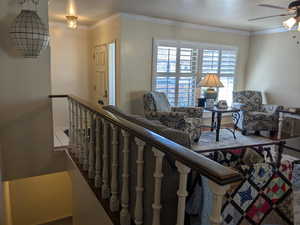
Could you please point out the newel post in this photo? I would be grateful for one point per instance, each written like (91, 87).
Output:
(218, 195)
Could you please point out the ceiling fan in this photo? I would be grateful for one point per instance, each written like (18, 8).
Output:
(293, 10)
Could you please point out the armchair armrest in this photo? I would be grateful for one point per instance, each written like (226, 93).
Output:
(166, 116)
(190, 111)
(170, 119)
(271, 108)
(241, 106)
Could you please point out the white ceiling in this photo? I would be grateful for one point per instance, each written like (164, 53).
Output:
(221, 13)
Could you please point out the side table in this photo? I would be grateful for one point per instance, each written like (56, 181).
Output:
(219, 112)
(286, 114)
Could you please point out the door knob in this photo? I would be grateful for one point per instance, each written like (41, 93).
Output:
(105, 94)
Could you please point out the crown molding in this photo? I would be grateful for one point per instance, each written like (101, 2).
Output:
(64, 25)
(179, 24)
(184, 25)
(273, 31)
(169, 22)
(105, 20)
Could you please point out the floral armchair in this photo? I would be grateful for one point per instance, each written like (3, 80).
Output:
(187, 119)
(254, 115)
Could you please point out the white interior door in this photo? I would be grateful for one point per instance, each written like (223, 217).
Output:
(101, 75)
(112, 73)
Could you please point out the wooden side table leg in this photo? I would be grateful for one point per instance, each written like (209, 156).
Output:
(212, 122)
(279, 153)
(219, 120)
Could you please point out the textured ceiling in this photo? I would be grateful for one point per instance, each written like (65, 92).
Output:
(221, 13)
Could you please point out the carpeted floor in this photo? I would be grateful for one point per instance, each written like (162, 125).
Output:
(66, 221)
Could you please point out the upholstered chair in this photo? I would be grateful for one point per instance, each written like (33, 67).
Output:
(187, 119)
(255, 116)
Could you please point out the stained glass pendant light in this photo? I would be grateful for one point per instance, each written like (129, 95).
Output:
(29, 33)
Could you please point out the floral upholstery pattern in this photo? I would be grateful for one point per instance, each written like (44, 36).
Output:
(255, 116)
(187, 119)
(157, 102)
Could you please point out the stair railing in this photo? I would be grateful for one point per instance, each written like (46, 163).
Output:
(89, 131)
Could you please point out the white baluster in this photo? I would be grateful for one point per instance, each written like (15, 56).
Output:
(81, 138)
(218, 194)
(158, 175)
(124, 215)
(86, 142)
(76, 133)
(91, 147)
(105, 187)
(98, 155)
(73, 123)
(70, 121)
(182, 192)
(114, 201)
(139, 203)
(71, 126)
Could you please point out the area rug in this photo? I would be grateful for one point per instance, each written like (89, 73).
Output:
(208, 140)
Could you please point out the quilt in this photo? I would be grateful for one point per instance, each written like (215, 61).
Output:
(265, 193)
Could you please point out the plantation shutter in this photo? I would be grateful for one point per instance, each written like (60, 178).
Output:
(178, 65)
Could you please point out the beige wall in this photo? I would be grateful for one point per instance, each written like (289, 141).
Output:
(69, 67)
(273, 68)
(136, 55)
(37, 200)
(26, 123)
(105, 32)
(87, 210)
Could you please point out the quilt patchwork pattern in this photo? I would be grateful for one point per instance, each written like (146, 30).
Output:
(266, 190)
(276, 188)
(245, 195)
(258, 210)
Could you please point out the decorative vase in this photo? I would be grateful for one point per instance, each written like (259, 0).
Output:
(29, 34)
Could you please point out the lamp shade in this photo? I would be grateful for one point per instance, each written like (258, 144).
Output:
(211, 80)
(29, 33)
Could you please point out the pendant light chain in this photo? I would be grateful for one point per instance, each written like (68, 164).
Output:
(34, 2)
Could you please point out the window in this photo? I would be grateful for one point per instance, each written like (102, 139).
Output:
(177, 66)
(227, 74)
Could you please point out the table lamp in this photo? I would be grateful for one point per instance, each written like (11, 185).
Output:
(211, 81)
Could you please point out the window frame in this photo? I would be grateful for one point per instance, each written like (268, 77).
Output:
(178, 44)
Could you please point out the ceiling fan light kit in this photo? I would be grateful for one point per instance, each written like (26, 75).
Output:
(293, 10)
(289, 24)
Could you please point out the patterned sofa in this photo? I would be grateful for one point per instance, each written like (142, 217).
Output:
(254, 115)
(187, 119)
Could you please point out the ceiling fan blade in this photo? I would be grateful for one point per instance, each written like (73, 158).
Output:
(267, 17)
(272, 6)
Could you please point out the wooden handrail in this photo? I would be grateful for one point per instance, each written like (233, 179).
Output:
(212, 170)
